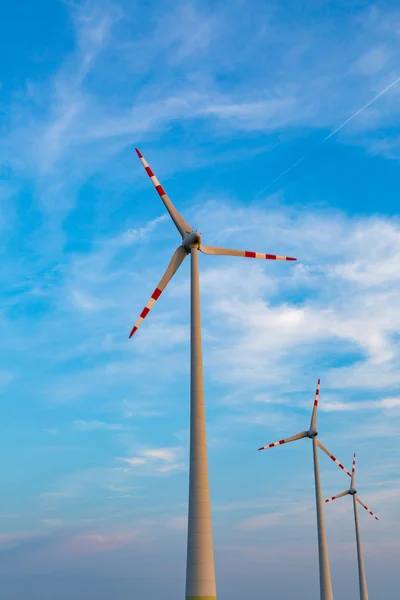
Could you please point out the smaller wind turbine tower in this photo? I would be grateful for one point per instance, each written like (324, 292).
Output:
(312, 432)
(353, 492)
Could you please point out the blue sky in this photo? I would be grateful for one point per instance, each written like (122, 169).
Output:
(221, 98)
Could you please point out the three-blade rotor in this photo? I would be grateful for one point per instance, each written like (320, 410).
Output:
(310, 433)
(190, 239)
(352, 491)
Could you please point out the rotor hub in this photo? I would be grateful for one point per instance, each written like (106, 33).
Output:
(193, 240)
(352, 492)
(312, 433)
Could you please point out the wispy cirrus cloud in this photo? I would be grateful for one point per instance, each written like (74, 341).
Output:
(78, 117)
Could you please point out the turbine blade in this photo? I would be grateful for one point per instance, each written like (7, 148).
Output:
(332, 457)
(176, 261)
(366, 508)
(353, 470)
(338, 496)
(313, 424)
(182, 226)
(298, 436)
(229, 252)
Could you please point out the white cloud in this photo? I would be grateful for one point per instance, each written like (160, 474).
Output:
(87, 483)
(269, 329)
(335, 318)
(170, 468)
(97, 426)
(123, 489)
(385, 403)
(83, 301)
(52, 431)
(134, 461)
(306, 81)
(373, 61)
(164, 454)
(150, 459)
(131, 236)
(267, 114)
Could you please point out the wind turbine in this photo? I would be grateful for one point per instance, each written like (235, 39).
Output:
(353, 492)
(312, 432)
(200, 575)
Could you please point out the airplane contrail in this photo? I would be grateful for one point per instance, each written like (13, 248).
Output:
(353, 116)
(360, 110)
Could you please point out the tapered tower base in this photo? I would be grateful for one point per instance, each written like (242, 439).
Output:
(201, 597)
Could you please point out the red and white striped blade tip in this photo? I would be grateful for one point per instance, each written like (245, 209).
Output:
(250, 254)
(274, 444)
(153, 298)
(273, 257)
(368, 509)
(269, 256)
(140, 155)
(371, 513)
(339, 464)
(317, 394)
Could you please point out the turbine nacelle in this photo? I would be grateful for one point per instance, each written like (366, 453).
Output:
(312, 433)
(193, 240)
(352, 491)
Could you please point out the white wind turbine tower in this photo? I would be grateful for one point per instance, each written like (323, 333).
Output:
(200, 576)
(312, 432)
(353, 492)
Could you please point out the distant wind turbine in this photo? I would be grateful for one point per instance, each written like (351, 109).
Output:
(353, 492)
(200, 575)
(312, 432)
